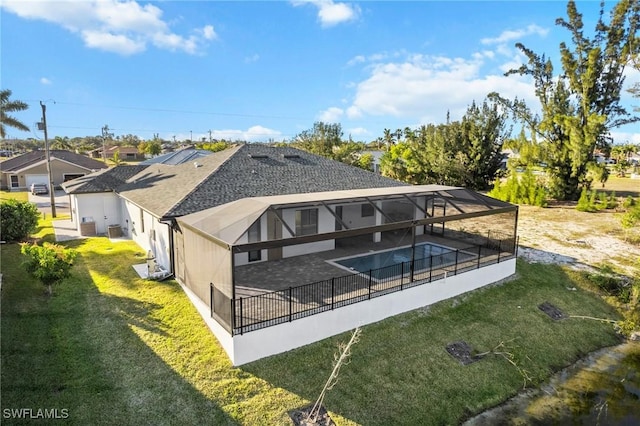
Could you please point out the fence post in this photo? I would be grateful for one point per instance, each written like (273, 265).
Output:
(517, 240)
(290, 305)
(455, 268)
(232, 307)
(401, 275)
(332, 291)
(499, 249)
(211, 299)
(241, 316)
(479, 255)
(412, 269)
(430, 266)
(369, 284)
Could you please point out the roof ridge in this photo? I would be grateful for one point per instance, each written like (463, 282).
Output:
(230, 154)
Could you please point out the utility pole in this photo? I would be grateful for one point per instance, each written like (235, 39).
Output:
(52, 197)
(190, 136)
(209, 136)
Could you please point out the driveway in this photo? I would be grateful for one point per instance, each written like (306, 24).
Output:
(43, 202)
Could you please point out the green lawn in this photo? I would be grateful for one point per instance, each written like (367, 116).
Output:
(21, 196)
(114, 349)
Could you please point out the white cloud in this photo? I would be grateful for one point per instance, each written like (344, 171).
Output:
(331, 115)
(252, 58)
(626, 137)
(123, 27)
(45, 80)
(356, 60)
(331, 13)
(252, 134)
(208, 32)
(510, 35)
(117, 43)
(423, 88)
(358, 131)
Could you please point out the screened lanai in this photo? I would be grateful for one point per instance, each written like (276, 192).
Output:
(265, 260)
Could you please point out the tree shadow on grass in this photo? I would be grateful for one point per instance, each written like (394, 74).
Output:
(81, 350)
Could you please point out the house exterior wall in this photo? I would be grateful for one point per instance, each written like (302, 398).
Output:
(258, 344)
(58, 170)
(352, 216)
(102, 208)
(148, 232)
(243, 258)
(326, 223)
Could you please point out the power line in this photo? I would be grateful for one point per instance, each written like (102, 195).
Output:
(227, 114)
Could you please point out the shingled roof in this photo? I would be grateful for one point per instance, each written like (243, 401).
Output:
(249, 170)
(32, 158)
(102, 181)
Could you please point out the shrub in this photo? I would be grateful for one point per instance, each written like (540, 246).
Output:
(584, 203)
(525, 189)
(631, 217)
(629, 202)
(18, 219)
(49, 263)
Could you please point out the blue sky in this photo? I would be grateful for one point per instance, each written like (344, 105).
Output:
(268, 70)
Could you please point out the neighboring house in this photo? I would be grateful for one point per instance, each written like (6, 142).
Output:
(270, 241)
(93, 198)
(18, 173)
(377, 155)
(126, 153)
(177, 157)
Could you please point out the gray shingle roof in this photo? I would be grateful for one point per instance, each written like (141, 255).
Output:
(102, 181)
(31, 158)
(250, 170)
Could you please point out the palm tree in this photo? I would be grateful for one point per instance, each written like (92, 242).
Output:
(61, 143)
(7, 106)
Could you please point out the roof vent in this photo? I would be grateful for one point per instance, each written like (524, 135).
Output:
(196, 164)
(258, 156)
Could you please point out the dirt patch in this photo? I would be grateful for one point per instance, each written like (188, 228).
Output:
(563, 235)
(462, 351)
(551, 310)
(299, 417)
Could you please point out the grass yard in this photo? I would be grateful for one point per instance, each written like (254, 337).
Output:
(115, 349)
(20, 196)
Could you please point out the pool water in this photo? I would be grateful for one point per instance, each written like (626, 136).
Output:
(426, 255)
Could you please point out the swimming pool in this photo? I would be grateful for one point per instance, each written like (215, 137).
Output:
(426, 255)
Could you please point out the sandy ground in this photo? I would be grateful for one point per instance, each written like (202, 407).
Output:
(566, 236)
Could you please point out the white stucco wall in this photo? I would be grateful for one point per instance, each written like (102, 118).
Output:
(258, 344)
(102, 208)
(154, 236)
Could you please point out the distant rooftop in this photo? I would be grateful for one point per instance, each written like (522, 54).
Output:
(177, 157)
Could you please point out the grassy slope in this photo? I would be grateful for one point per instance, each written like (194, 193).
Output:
(115, 349)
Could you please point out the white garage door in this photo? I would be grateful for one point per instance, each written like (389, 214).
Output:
(36, 179)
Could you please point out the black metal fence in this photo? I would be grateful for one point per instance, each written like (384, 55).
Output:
(269, 309)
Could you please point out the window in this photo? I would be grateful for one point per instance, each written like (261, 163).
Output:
(306, 222)
(367, 210)
(254, 237)
(14, 181)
